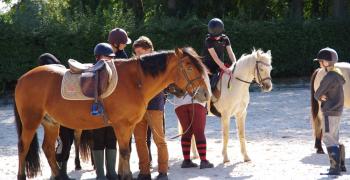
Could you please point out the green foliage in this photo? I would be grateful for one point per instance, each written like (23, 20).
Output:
(71, 29)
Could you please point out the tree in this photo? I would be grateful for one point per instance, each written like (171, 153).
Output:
(339, 9)
(296, 8)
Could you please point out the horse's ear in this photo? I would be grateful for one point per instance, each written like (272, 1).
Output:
(268, 52)
(179, 52)
(258, 53)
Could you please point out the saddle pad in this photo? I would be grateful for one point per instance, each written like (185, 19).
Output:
(71, 90)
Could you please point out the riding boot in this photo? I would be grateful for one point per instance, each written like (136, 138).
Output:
(342, 158)
(334, 159)
(99, 164)
(111, 155)
(63, 170)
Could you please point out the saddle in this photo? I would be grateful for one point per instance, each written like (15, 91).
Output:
(89, 82)
(94, 79)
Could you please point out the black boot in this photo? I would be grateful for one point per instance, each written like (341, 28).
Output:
(205, 164)
(144, 177)
(342, 158)
(334, 159)
(111, 156)
(99, 164)
(63, 170)
(188, 164)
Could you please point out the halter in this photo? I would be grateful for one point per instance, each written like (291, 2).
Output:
(260, 79)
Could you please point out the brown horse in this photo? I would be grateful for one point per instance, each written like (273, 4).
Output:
(38, 94)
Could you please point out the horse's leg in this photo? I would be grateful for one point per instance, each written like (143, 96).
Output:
(51, 131)
(28, 150)
(225, 125)
(240, 121)
(194, 148)
(77, 135)
(318, 135)
(123, 132)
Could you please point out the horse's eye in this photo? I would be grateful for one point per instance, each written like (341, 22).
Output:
(189, 69)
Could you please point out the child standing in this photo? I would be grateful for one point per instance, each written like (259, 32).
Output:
(331, 95)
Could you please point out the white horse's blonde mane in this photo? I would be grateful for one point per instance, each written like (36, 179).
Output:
(258, 54)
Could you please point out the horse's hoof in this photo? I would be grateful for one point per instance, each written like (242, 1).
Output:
(125, 177)
(21, 177)
(247, 159)
(320, 151)
(226, 161)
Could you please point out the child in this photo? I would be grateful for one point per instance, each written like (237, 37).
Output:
(216, 44)
(192, 117)
(331, 95)
(152, 120)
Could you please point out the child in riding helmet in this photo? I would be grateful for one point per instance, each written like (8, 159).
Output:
(216, 46)
(118, 39)
(331, 95)
(104, 139)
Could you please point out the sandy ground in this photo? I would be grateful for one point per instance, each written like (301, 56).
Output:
(278, 133)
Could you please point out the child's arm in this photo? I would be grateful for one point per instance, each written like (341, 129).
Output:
(324, 87)
(217, 60)
(231, 54)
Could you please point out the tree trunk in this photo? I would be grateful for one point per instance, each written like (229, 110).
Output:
(315, 8)
(339, 9)
(296, 9)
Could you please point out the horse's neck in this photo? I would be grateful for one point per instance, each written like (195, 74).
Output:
(244, 70)
(151, 86)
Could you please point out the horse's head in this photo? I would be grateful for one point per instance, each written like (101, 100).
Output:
(263, 69)
(192, 75)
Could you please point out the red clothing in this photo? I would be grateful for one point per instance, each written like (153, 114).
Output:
(195, 114)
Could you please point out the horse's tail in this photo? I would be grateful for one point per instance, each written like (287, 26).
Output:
(314, 103)
(214, 110)
(316, 121)
(86, 144)
(32, 164)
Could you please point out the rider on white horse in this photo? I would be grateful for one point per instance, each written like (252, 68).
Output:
(216, 44)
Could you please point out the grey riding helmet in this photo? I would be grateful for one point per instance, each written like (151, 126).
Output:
(327, 54)
(215, 27)
(103, 49)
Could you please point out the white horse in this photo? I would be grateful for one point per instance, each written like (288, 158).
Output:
(315, 105)
(234, 97)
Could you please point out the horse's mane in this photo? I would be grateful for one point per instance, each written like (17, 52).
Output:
(195, 59)
(155, 63)
(262, 56)
(258, 54)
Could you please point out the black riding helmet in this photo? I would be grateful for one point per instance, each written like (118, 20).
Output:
(215, 27)
(103, 49)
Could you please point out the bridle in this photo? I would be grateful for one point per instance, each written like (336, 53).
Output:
(190, 82)
(259, 79)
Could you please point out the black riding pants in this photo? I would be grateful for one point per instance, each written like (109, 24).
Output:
(65, 141)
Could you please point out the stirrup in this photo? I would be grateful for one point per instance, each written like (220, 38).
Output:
(96, 109)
